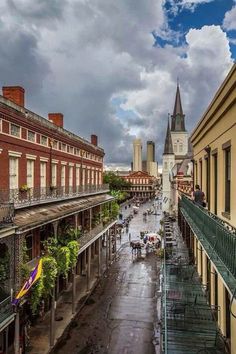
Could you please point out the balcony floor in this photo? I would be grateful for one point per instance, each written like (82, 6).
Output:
(189, 325)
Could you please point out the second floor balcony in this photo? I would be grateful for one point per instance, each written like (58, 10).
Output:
(21, 198)
(217, 238)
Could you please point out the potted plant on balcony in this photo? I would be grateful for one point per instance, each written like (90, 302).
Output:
(24, 188)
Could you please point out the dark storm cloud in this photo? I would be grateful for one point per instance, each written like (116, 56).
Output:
(20, 62)
(76, 56)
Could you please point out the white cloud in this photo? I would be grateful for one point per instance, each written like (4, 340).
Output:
(180, 5)
(75, 56)
(229, 22)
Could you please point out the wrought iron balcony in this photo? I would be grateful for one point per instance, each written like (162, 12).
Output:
(32, 196)
(6, 214)
(6, 310)
(217, 238)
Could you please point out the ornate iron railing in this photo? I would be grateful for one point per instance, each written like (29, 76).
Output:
(6, 309)
(21, 198)
(6, 214)
(217, 237)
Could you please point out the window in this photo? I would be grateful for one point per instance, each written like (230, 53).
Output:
(200, 164)
(63, 147)
(44, 140)
(15, 130)
(215, 183)
(71, 151)
(227, 179)
(29, 246)
(77, 152)
(43, 175)
(77, 176)
(70, 176)
(165, 165)
(54, 175)
(13, 172)
(180, 147)
(63, 177)
(55, 144)
(30, 173)
(31, 136)
(175, 147)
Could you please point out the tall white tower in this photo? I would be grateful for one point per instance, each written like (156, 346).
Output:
(168, 164)
(137, 155)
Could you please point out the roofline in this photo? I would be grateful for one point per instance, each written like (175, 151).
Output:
(47, 123)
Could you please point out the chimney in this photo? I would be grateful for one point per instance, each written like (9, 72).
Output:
(94, 139)
(15, 94)
(56, 118)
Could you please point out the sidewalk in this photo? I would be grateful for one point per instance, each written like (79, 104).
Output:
(39, 333)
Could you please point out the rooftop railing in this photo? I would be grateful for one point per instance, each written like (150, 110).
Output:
(217, 238)
(20, 198)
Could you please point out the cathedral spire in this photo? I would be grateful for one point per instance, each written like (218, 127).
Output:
(168, 149)
(177, 118)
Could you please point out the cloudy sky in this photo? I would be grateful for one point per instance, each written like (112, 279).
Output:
(110, 66)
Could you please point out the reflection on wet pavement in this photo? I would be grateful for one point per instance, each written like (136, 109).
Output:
(121, 317)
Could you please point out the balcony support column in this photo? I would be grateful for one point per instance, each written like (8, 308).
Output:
(107, 250)
(73, 290)
(90, 219)
(52, 318)
(110, 245)
(99, 256)
(89, 268)
(17, 333)
(213, 281)
(204, 268)
(76, 221)
(55, 228)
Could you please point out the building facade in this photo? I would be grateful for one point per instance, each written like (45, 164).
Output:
(210, 233)
(50, 181)
(175, 150)
(137, 155)
(143, 186)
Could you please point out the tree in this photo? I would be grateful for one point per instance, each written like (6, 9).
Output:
(116, 183)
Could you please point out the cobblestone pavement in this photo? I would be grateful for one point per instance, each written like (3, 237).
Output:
(120, 316)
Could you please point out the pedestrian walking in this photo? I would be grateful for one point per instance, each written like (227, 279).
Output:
(199, 196)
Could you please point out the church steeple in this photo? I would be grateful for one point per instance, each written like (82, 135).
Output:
(177, 118)
(168, 149)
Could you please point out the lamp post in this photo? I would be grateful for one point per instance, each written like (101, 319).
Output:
(50, 162)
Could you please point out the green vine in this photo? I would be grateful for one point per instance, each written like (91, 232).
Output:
(63, 260)
(49, 274)
(36, 295)
(74, 249)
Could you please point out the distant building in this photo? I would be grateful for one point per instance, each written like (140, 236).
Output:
(150, 154)
(144, 166)
(142, 185)
(137, 155)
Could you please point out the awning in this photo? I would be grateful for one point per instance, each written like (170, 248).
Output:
(29, 218)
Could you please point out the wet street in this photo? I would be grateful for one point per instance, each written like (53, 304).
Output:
(121, 314)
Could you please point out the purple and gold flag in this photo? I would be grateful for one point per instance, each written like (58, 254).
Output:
(34, 276)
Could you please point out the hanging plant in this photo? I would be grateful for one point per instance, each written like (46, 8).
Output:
(74, 249)
(114, 210)
(36, 295)
(24, 272)
(49, 274)
(63, 260)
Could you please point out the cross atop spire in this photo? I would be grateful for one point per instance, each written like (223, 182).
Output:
(168, 149)
(177, 121)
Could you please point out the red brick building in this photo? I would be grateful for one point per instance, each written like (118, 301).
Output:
(142, 185)
(49, 178)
